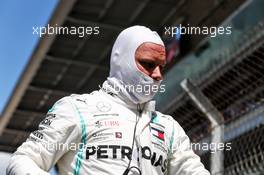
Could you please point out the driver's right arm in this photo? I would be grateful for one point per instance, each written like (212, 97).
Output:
(43, 147)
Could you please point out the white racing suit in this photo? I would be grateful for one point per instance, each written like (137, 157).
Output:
(93, 134)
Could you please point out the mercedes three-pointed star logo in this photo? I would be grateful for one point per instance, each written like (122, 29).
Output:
(103, 106)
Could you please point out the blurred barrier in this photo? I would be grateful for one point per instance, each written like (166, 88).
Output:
(235, 87)
(216, 121)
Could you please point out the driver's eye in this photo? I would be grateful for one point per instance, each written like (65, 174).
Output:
(148, 65)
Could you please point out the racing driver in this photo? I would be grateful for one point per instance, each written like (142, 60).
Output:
(115, 130)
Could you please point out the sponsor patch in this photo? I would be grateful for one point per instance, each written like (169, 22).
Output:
(48, 119)
(106, 123)
(118, 135)
(125, 152)
(84, 101)
(159, 134)
(38, 134)
(101, 136)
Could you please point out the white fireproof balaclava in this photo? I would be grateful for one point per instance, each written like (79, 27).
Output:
(124, 73)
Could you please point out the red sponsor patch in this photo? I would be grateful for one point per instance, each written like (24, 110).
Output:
(157, 133)
(107, 123)
(118, 135)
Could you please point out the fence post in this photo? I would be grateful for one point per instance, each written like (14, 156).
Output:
(216, 119)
